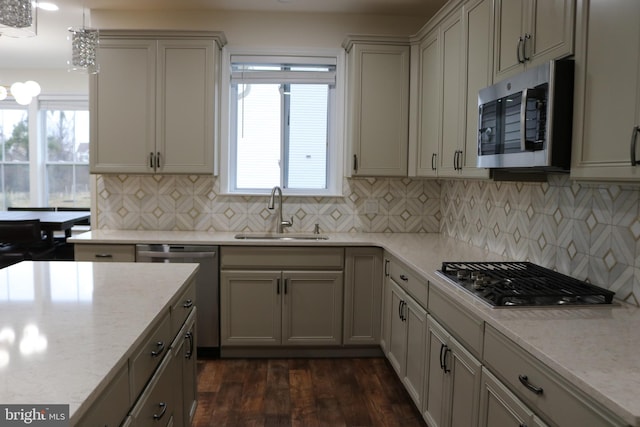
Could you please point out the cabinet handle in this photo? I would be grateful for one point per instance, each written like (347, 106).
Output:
(634, 140)
(103, 255)
(444, 359)
(151, 160)
(386, 268)
(525, 382)
(518, 48)
(160, 349)
(277, 286)
(443, 347)
(158, 160)
(188, 304)
(434, 156)
(163, 409)
(527, 38)
(189, 337)
(404, 311)
(404, 278)
(355, 163)
(400, 309)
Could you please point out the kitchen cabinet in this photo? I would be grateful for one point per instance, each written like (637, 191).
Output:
(281, 296)
(531, 32)
(500, 407)
(104, 252)
(184, 350)
(378, 105)
(153, 104)
(547, 394)
(362, 296)
(454, 61)
(407, 320)
(607, 91)
(452, 383)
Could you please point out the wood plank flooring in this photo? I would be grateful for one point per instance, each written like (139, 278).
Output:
(302, 392)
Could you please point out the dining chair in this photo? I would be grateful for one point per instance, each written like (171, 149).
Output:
(23, 239)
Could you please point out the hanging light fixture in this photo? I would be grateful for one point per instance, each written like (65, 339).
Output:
(18, 18)
(22, 92)
(84, 46)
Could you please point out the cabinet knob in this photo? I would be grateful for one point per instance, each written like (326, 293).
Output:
(159, 349)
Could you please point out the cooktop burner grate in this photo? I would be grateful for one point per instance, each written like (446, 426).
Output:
(523, 283)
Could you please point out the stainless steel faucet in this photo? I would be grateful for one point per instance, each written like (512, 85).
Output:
(271, 205)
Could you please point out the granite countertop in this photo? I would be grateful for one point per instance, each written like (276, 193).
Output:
(596, 349)
(66, 327)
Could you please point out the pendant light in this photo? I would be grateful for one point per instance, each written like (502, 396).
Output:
(84, 46)
(18, 18)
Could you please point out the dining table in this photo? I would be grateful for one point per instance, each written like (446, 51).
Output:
(50, 221)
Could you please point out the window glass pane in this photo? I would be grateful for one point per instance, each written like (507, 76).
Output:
(258, 136)
(307, 150)
(67, 159)
(14, 135)
(16, 184)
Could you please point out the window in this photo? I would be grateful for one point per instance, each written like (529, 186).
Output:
(14, 158)
(60, 175)
(282, 125)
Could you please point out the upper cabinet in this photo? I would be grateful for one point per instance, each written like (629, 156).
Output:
(530, 32)
(153, 104)
(607, 91)
(378, 105)
(452, 61)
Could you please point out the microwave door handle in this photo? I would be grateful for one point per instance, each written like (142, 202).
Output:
(523, 120)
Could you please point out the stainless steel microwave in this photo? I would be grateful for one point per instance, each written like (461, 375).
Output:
(526, 121)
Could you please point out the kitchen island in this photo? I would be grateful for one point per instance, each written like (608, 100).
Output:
(594, 350)
(67, 329)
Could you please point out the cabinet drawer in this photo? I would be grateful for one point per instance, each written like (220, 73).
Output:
(181, 309)
(555, 400)
(278, 257)
(157, 403)
(112, 406)
(409, 281)
(105, 253)
(149, 354)
(463, 326)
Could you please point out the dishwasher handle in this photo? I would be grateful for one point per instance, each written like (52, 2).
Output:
(174, 255)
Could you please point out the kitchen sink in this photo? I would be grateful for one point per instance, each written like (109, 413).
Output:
(281, 236)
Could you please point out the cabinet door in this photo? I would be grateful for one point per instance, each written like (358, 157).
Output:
(416, 325)
(551, 26)
(607, 90)
(478, 23)
(184, 113)
(509, 33)
(397, 331)
(500, 407)
(435, 386)
(387, 310)
(362, 295)
(452, 111)
(464, 386)
(430, 99)
(312, 308)
(250, 307)
(379, 120)
(122, 107)
(189, 359)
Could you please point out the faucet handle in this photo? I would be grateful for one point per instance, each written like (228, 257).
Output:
(287, 223)
(316, 229)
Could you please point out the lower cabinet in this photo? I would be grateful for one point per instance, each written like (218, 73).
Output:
(406, 345)
(452, 386)
(500, 407)
(184, 350)
(266, 308)
(105, 252)
(157, 403)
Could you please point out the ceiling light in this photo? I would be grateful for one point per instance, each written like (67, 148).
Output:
(22, 92)
(50, 7)
(84, 46)
(18, 18)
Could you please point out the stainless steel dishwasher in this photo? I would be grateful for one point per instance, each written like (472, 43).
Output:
(207, 286)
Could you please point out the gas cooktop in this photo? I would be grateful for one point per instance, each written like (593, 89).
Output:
(512, 284)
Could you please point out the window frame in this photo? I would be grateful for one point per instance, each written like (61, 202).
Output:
(335, 146)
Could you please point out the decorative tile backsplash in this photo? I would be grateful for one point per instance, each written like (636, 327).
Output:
(588, 231)
(180, 202)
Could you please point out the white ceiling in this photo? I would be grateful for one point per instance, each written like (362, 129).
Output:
(50, 48)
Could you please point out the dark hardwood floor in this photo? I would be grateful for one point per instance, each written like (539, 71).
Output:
(302, 392)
